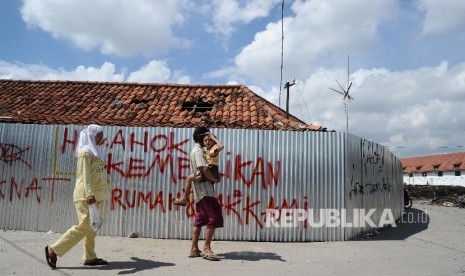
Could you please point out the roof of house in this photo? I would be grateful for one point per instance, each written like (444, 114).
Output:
(442, 162)
(136, 104)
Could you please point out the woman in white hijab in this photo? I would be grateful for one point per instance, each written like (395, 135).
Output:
(91, 188)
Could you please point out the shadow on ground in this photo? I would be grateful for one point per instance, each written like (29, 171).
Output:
(251, 256)
(128, 267)
(413, 221)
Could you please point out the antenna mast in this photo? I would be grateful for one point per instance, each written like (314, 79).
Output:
(345, 92)
(282, 53)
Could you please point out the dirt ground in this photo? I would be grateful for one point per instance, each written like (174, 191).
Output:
(449, 196)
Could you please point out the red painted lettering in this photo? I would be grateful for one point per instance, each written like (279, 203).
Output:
(272, 175)
(118, 140)
(135, 170)
(2, 195)
(144, 198)
(176, 146)
(158, 200)
(183, 165)
(116, 195)
(249, 212)
(14, 187)
(114, 166)
(266, 175)
(66, 140)
(258, 171)
(34, 186)
(126, 197)
(230, 207)
(238, 176)
(53, 185)
(144, 143)
(162, 165)
(153, 144)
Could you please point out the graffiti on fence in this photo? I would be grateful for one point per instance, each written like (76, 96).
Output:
(245, 209)
(149, 158)
(165, 154)
(10, 154)
(372, 167)
(16, 189)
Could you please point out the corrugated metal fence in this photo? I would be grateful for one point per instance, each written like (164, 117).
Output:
(147, 168)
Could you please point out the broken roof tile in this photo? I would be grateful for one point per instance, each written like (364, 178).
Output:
(132, 104)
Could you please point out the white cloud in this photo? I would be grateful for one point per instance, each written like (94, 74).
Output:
(442, 16)
(154, 71)
(115, 26)
(23, 71)
(318, 29)
(107, 72)
(415, 109)
(157, 71)
(179, 77)
(412, 118)
(228, 13)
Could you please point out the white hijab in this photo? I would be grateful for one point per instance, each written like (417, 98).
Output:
(87, 141)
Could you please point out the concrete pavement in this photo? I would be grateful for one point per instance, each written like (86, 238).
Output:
(429, 241)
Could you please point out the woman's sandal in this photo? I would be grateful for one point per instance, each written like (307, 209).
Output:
(52, 262)
(179, 202)
(96, 261)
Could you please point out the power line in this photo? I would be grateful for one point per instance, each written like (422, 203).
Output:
(300, 93)
(282, 53)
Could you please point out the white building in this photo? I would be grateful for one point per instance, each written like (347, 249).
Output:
(442, 169)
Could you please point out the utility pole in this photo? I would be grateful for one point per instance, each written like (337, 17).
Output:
(287, 85)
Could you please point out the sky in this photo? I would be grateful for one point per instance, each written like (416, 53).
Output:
(406, 58)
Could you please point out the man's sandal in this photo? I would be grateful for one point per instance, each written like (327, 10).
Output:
(210, 257)
(179, 202)
(195, 254)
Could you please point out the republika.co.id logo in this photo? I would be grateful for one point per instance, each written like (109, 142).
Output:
(327, 218)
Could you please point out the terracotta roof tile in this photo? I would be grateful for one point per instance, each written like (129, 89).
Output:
(442, 162)
(132, 104)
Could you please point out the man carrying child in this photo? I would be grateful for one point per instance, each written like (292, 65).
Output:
(207, 209)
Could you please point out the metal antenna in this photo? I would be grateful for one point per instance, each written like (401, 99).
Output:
(345, 92)
(282, 53)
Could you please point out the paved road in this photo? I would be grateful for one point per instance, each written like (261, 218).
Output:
(431, 246)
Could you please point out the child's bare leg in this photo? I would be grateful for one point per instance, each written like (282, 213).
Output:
(182, 201)
(187, 191)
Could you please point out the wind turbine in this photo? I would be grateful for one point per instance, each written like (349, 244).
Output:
(347, 97)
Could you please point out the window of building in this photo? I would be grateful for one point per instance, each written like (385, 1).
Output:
(410, 174)
(439, 173)
(424, 174)
(457, 173)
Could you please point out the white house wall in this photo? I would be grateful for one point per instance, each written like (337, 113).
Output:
(448, 178)
(148, 166)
